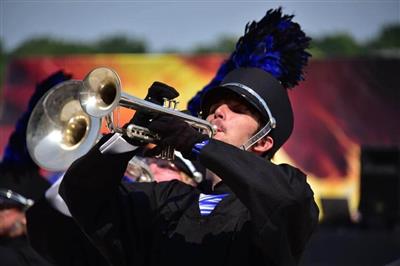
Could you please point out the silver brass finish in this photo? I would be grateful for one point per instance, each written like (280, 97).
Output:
(59, 131)
(101, 94)
(66, 121)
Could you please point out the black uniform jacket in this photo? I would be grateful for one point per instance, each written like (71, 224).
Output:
(58, 238)
(17, 252)
(267, 218)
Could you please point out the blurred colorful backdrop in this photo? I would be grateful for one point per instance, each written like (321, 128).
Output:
(343, 105)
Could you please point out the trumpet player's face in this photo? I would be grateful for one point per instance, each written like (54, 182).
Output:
(236, 121)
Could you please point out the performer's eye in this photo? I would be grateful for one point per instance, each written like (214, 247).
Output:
(212, 109)
(240, 108)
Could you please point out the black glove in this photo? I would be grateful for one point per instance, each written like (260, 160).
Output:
(156, 94)
(176, 133)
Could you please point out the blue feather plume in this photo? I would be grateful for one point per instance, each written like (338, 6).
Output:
(275, 44)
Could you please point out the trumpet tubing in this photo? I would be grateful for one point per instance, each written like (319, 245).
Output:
(132, 102)
(101, 94)
(66, 121)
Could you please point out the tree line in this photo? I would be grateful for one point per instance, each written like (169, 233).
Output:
(333, 45)
(385, 43)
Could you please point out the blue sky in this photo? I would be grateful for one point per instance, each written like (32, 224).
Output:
(183, 24)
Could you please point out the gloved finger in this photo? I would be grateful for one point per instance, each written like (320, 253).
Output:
(156, 94)
(164, 124)
(141, 118)
(176, 142)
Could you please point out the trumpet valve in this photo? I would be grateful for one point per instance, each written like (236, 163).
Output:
(137, 132)
(170, 104)
(175, 103)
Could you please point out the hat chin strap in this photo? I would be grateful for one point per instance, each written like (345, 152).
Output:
(259, 135)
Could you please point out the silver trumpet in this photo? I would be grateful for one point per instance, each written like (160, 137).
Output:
(66, 122)
(101, 94)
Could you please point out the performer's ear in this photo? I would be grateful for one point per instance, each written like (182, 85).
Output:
(263, 145)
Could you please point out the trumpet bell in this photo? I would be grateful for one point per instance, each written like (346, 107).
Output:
(59, 131)
(100, 92)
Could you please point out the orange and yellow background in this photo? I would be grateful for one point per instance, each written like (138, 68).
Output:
(342, 106)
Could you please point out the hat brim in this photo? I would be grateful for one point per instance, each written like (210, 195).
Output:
(220, 92)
